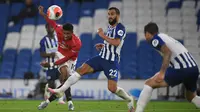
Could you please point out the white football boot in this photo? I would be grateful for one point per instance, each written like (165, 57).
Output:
(70, 105)
(131, 105)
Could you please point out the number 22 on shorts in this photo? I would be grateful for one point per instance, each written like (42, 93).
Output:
(113, 73)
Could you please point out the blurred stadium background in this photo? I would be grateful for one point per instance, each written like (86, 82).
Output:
(19, 44)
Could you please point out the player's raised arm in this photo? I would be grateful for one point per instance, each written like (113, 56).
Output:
(112, 41)
(51, 22)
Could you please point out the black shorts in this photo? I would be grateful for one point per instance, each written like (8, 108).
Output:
(187, 76)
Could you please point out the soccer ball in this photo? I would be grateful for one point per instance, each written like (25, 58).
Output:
(54, 12)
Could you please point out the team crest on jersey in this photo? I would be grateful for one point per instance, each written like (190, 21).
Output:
(155, 42)
(120, 32)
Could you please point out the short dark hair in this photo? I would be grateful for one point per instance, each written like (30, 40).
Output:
(151, 28)
(68, 27)
(116, 10)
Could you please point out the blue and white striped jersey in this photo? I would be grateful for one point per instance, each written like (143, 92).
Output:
(111, 52)
(49, 45)
(180, 58)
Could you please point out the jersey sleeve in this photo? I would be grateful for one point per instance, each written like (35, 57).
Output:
(42, 46)
(51, 22)
(157, 42)
(73, 53)
(57, 27)
(120, 32)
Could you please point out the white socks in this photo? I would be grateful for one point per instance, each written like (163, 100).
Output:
(47, 101)
(144, 98)
(122, 94)
(196, 101)
(70, 102)
(61, 98)
(69, 82)
(46, 93)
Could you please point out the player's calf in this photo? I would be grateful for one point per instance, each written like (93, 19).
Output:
(193, 98)
(112, 88)
(190, 95)
(64, 74)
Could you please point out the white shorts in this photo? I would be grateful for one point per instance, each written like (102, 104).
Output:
(71, 64)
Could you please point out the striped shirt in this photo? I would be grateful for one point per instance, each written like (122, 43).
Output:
(111, 52)
(49, 45)
(180, 57)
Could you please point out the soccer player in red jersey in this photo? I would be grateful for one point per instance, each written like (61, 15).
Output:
(68, 47)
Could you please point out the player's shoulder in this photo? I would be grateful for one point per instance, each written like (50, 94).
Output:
(120, 26)
(157, 39)
(162, 35)
(43, 39)
(76, 38)
(76, 42)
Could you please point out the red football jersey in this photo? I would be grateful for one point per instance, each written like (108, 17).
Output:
(68, 48)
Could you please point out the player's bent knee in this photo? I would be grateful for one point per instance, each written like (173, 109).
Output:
(148, 82)
(63, 71)
(151, 82)
(78, 70)
(113, 90)
(84, 69)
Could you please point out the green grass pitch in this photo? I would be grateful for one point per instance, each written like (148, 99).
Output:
(93, 106)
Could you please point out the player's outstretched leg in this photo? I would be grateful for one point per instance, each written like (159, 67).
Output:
(112, 86)
(74, 77)
(146, 93)
(69, 82)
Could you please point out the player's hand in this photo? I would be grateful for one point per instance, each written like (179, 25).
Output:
(100, 32)
(159, 77)
(45, 64)
(41, 10)
(99, 46)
